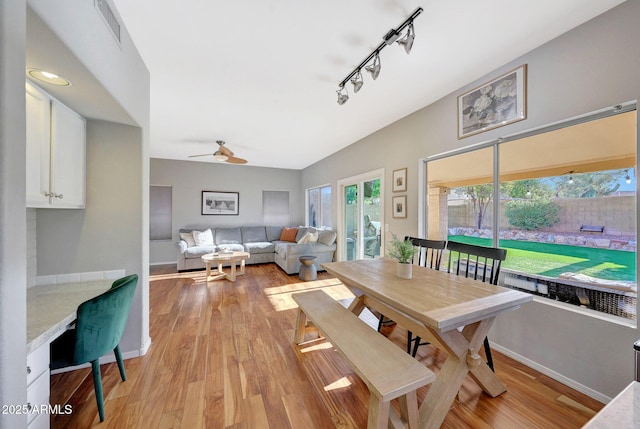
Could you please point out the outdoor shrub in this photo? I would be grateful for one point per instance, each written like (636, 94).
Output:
(532, 214)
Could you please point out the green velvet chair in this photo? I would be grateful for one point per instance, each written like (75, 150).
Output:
(99, 327)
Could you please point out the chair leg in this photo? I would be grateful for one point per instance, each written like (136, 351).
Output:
(487, 351)
(97, 385)
(380, 322)
(409, 341)
(416, 344)
(123, 374)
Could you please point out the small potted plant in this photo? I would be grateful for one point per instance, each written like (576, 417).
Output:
(403, 251)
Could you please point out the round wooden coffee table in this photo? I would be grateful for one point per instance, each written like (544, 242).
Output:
(220, 258)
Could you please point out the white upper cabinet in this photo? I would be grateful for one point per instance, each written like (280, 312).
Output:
(56, 152)
(38, 146)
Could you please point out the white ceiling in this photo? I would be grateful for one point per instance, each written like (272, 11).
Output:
(262, 75)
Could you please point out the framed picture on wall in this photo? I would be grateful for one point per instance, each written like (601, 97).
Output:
(220, 203)
(400, 180)
(400, 206)
(494, 104)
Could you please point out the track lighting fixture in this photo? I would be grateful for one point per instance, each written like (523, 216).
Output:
(374, 68)
(627, 179)
(407, 40)
(342, 96)
(357, 82)
(372, 62)
(571, 177)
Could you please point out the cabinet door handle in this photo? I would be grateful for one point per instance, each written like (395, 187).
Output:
(59, 196)
(28, 370)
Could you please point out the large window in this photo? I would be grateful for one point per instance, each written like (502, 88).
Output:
(319, 206)
(562, 202)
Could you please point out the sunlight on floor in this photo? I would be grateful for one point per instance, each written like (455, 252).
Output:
(280, 296)
(320, 346)
(197, 276)
(338, 384)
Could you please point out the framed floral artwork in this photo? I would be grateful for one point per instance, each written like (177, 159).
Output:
(400, 206)
(400, 180)
(497, 103)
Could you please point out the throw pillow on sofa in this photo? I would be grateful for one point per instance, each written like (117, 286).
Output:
(203, 238)
(309, 237)
(188, 237)
(289, 234)
(327, 236)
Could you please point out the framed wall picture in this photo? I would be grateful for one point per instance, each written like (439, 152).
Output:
(495, 104)
(400, 206)
(400, 180)
(220, 203)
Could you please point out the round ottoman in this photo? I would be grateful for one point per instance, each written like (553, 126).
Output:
(308, 271)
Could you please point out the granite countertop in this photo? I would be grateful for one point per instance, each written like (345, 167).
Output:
(50, 308)
(622, 412)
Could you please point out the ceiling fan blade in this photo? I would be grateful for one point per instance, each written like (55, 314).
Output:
(226, 151)
(234, 160)
(204, 154)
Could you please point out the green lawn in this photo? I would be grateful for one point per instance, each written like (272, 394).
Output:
(553, 259)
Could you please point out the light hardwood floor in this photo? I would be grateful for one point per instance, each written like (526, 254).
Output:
(222, 356)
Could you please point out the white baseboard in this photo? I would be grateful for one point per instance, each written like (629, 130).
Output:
(164, 263)
(553, 374)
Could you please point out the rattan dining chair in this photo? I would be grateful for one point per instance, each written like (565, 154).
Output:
(429, 255)
(477, 262)
(99, 327)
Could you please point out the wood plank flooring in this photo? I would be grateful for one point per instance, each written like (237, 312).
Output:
(222, 356)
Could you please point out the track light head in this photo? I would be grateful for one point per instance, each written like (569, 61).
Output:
(342, 96)
(407, 40)
(627, 179)
(374, 68)
(357, 82)
(391, 37)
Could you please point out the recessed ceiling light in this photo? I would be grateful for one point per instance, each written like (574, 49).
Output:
(48, 77)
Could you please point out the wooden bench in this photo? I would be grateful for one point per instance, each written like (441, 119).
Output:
(386, 369)
(592, 228)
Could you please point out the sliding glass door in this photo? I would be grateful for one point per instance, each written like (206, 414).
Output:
(361, 217)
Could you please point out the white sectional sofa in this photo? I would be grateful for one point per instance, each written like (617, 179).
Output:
(264, 244)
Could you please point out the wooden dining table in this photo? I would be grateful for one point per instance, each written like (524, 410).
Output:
(434, 305)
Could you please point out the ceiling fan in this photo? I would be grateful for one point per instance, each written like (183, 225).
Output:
(223, 154)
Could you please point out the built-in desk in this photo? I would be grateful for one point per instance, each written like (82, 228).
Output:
(622, 412)
(50, 310)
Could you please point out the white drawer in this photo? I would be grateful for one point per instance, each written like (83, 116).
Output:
(40, 422)
(37, 362)
(38, 393)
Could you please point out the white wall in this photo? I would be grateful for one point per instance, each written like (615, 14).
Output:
(189, 179)
(13, 237)
(591, 67)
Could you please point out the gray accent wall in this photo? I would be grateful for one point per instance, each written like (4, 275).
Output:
(189, 179)
(589, 68)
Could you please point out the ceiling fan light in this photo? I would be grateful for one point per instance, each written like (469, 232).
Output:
(357, 82)
(342, 96)
(374, 68)
(219, 156)
(407, 40)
